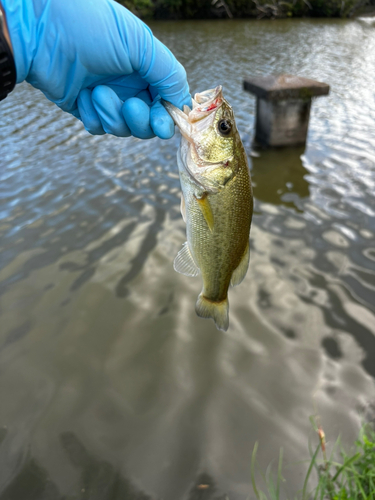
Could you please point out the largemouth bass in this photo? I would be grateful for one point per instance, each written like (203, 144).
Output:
(216, 203)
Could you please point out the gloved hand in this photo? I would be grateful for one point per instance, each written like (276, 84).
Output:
(96, 60)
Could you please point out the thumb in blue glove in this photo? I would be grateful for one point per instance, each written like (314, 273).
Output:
(99, 62)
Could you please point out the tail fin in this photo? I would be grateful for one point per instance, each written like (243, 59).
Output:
(218, 311)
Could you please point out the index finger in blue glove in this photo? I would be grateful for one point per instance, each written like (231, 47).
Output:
(108, 106)
(88, 114)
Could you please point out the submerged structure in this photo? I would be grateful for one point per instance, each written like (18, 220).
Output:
(283, 108)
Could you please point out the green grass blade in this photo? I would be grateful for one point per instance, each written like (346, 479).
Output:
(252, 469)
(360, 488)
(345, 465)
(279, 476)
(270, 484)
(309, 472)
(313, 423)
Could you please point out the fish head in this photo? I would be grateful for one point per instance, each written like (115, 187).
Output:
(213, 127)
(209, 136)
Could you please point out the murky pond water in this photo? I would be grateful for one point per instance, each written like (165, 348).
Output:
(110, 386)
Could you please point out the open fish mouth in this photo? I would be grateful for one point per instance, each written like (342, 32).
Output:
(207, 95)
(204, 104)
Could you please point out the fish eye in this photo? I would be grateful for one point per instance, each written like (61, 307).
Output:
(224, 127)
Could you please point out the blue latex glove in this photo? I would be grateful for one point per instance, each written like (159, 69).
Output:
(96, 60)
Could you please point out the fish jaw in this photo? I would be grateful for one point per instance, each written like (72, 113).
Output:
(189, 127)
(180, 118)
(190, 122)
(206, 103)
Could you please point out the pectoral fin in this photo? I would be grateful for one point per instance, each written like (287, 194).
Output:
(240, 272)
(183, 208)
(205, 207)
(184, 262)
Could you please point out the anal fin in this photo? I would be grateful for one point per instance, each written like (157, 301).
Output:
(184, 262)
(240, 272)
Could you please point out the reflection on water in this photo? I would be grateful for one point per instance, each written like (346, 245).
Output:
(98, 479)
(110, 385)
(279, 177)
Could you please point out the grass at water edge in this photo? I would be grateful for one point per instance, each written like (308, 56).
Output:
(341, 476)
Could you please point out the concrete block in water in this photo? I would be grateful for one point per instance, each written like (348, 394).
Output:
(283, 107)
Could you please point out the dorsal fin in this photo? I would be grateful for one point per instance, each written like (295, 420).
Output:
(184, 262)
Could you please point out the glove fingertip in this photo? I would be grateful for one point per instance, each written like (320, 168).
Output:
(108, 107)
(137, 115)
(160, 121)
(88, 114)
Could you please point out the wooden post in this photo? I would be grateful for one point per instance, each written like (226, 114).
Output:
(283, 108)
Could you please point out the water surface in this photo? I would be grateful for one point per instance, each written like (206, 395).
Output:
(110, 386)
